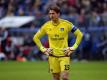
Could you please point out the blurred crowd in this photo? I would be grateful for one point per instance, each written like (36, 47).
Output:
(82, 13)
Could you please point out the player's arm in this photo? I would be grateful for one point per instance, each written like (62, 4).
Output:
(37, 37)
(78, 35)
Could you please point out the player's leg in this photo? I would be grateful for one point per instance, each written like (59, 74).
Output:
(65, 75)
(65, 66)
(54, 67)
(56, 76)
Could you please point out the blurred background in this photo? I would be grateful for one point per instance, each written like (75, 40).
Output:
(20, 20)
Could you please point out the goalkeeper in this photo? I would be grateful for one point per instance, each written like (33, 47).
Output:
(58, 52)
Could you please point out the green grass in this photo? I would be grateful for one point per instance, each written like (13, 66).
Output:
(38, 70)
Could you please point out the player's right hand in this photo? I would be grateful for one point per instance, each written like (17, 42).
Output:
(68, 51)
(48, 51)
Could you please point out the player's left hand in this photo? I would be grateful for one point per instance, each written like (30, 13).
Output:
(68, 51)
(48, 51)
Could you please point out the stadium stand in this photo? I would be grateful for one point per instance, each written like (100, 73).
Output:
(89, 15)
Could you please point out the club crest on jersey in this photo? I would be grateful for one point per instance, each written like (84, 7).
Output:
(61, 29)
(49, 29)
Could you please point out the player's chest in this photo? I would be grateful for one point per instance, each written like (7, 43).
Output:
(61, 31)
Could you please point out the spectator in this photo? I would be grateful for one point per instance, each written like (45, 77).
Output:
(95, 19)
(104, 14)
(2, 55)
(4, 35)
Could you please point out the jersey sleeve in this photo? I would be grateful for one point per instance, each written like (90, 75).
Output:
(71, 27)
(41, 32)
(37, 37)
(78, 34)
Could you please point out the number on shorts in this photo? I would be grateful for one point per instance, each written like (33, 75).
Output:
(67, 67)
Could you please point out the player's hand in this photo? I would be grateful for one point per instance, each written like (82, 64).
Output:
(48, 51)
(68, 51)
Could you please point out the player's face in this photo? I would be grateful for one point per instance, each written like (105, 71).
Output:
(53, 15)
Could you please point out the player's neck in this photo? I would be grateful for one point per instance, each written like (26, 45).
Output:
(55, 22)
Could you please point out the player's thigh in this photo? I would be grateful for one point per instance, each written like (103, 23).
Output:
(54, 65)
(65, 64)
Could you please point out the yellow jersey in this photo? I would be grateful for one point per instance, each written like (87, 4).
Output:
(57, 35)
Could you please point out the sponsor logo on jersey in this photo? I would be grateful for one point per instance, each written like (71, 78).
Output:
(61, 29)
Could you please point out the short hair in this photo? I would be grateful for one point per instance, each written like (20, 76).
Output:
(55, 8)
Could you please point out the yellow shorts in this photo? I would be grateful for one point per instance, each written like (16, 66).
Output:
(59, 64)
